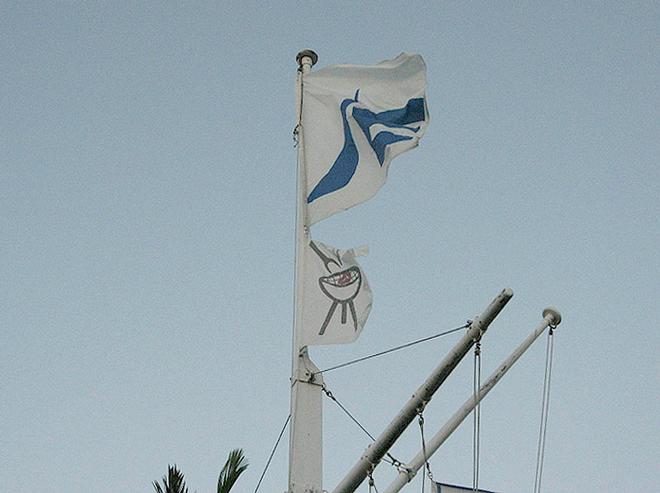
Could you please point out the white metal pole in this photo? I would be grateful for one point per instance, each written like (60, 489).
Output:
(375, 452)
(551, 317)
(305, 438)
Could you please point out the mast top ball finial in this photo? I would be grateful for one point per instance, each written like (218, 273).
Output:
(556, 316)
(307, 53)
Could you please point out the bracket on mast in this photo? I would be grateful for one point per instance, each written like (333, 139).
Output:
(306, 370)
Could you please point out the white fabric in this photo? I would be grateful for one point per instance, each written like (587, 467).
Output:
(336, 295)
(389, 85)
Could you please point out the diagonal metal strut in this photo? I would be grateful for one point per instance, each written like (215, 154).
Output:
(375, 452)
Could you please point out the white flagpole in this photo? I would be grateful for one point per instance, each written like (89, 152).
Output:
(305, 439)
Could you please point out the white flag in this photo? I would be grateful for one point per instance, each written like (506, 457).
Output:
(336, 295)
(355, 120)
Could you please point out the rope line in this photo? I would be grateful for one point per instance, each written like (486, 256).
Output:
(341, 406)
(298, 128)
(543, 428)
(372, 483)
(476, 427)
(390, 458)
(397, 348)
(427, 466)
(277, 442)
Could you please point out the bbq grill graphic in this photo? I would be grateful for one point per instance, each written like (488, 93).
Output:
(342, 287)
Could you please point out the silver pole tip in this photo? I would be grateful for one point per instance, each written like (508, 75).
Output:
(307, 53)
(552, 312)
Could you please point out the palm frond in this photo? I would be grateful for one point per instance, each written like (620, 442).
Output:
(173, 482)
(233, 468)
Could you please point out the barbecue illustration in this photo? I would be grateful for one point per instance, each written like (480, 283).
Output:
(341, 286)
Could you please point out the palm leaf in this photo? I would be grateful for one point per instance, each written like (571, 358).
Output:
(233, 468)
(173, 482)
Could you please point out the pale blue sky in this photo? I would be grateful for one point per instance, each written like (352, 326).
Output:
(147, 182)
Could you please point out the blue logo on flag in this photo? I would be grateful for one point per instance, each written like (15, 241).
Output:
(343, 169)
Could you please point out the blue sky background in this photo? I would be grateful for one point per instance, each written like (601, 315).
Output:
(147, 200)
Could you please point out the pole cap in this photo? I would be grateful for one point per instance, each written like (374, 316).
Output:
(554, 313)
(307, 53)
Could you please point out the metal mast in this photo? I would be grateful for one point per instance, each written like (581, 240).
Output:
(305, 442)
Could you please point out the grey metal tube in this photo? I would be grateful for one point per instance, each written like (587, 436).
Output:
(550, 317)
(375, 452)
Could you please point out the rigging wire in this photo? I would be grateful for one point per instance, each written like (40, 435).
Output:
(372, 483)
(341, 406)
(540, 453)
(397, 348)
(390, 458)
(277, 442)
(476, 427)
(427, 466)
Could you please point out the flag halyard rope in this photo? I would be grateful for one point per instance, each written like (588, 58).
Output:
(298, 128)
